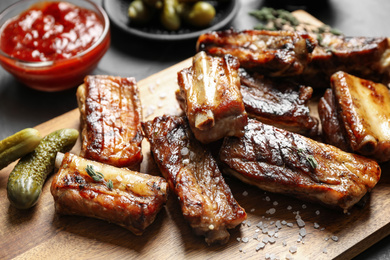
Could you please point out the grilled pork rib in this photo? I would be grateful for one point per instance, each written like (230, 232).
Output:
(279, 102)
(279, 161)
(206, 200)
(273, 53)
(133, 201)
(332, 130)
(211, 98)
(110, 116)
(362, 108)
(369, 57)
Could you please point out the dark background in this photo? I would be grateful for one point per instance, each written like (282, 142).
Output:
(21, 107)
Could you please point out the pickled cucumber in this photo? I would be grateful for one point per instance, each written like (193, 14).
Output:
(18, 145)
(26, 180)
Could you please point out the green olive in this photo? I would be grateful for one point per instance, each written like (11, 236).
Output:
(139, 12)
(169, 17)
(200, 14)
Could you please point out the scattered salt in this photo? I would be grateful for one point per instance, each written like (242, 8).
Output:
(163, 95)
(325, 251)
(316, 225)
(265, 240)
(335, 238)
(304, 206)
(275, 203)
(318, 212)
(300, 222)
(245, 239)
(290, 224)
(302, 232)
(267, 198)
(289, 207)
(259, 246)
(293, 249)
(271, 211)
(271, 240)
(245, 193)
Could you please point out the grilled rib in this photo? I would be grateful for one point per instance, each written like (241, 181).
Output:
(332, 130)
(279, 102)
(206, 200)
(133, 201)
(210, 96)
(273, 53)
(363, 109)
(279, 161)
(110, 116)
(369, 56)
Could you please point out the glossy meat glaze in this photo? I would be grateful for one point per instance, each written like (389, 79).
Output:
(133, 201)
(206, 200)
(110, 117)
(279, 161)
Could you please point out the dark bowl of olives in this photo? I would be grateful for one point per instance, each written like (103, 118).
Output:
(170, 20)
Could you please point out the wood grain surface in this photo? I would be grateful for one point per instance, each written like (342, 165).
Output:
(39, 233)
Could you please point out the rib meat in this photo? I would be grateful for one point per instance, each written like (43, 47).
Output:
(133, 201)
(110, 116)
(366, 57)
(210, 97)
(273, 53)
(206, 200)
(279, 161)
(279, 102)
(363, 115)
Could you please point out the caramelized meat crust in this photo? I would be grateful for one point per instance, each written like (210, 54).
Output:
(279, 102)
(332, 131)
(279, 161)
(366, 57)
(272, 53)
(210, 97)
(133, 201)
(363, 109)
(206, 200)
(110, 116)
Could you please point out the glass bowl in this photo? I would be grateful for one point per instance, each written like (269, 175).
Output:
(59, 74)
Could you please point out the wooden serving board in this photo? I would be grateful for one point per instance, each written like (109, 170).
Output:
(39, 233)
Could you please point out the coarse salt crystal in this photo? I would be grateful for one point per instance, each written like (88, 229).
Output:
(271, 211)
(318, 212)
(259, 246)
(302, 232)
(119, 178)
(300, 222)
(245, 193)
(267, 198)
(304, 206)
(316, 225)
(290, 224)
(271, 240)
(289, 207)
(275, 203)
(245, 239)
(265, 240)
(163, 95)
(293, 249)
(335, 238)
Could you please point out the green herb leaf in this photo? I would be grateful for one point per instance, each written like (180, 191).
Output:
(98, 177)
(110, 185)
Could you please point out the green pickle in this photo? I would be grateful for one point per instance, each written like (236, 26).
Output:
(17, 145)
(26, 180)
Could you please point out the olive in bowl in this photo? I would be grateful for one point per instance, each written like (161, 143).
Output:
(51, 45)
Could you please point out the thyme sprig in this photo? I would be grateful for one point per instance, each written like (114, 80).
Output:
(309, 158)
(98, 177)
(280, 19)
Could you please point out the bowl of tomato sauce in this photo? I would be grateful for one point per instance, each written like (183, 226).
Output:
(52, 45)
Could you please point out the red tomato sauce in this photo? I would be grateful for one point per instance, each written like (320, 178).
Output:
(51, 31)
